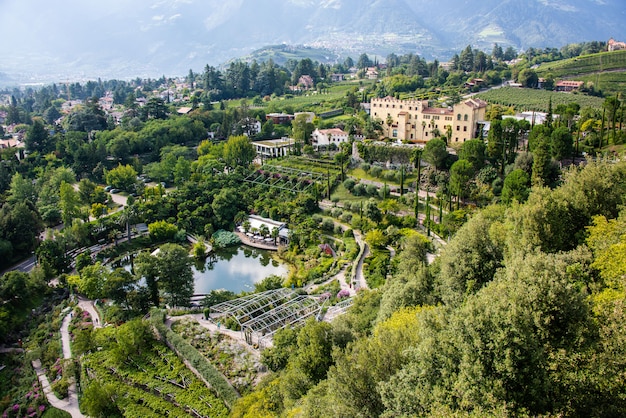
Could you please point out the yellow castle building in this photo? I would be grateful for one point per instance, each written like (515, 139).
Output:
(415, 121)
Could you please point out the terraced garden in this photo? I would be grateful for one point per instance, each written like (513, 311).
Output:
(149, 383)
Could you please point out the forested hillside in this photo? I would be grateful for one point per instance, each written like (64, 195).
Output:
(522, 314)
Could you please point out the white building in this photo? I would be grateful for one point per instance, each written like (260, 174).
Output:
(322, 138)
(256, 222)
(273, 148)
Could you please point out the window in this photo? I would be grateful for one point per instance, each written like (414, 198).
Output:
(426, 116)
(395, 133)
(458, 116)
(400, 106)
(425, 133)
(458, 128)
(436, 117)
(448, 117)
(465, 118)
(411, 136)
(465, 129)
(394, 106)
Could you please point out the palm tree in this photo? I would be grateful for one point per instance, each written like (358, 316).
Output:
(275, 232)
(240, 217)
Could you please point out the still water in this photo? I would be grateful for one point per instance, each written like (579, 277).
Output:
(235, 269)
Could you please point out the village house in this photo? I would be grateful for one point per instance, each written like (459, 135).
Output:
(250, 126)
(371, 73)
(322, 138)
(279, 118)
(416, 121)
(106, 102)
(306, 81)
(336, 77)
(568, 85)
(68, 105)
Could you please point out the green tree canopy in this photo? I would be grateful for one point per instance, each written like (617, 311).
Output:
(122, 177)
(239, 151)
(435, 153)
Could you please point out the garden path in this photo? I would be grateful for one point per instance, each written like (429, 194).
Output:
(70, 404)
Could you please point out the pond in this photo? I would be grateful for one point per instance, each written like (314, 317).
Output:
(235, 269)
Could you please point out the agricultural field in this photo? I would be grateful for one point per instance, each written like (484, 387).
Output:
(606, 70)
(313, 101)
(529, 99)
(587, 64)
(608, 82)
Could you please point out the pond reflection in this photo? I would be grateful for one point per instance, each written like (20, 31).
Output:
(235, 269)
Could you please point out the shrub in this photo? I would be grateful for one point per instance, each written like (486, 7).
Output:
(336, 213)
(60, 388)
(328, 225)
(359, 190)
(223, 239)
(349, 184)
(162, 231)
(376, 171)
(371, 190)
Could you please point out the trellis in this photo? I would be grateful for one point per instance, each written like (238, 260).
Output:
(285, 178)
(262, 314)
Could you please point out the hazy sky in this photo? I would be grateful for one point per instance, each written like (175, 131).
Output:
(122, 38)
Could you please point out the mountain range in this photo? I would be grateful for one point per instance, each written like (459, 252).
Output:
(148, 38)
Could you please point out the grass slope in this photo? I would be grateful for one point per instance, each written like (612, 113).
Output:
(606, 70)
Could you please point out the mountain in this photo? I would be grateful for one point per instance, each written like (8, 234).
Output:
(116, 38)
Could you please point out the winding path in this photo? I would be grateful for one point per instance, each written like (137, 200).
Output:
(70, 404)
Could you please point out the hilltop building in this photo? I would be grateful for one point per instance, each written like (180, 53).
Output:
(614, 45)
(416, 121)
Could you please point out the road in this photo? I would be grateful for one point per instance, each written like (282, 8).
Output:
(25, 266)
